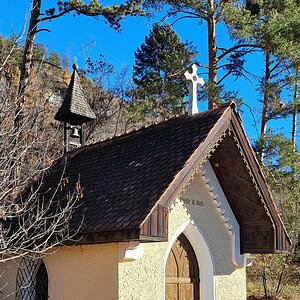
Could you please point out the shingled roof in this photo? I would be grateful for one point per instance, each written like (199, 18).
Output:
(129, 181)
(75, 108)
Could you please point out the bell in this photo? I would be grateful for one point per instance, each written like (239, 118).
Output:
(75, 133)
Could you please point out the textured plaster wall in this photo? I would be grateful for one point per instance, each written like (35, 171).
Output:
(83, 272)
(207, 219)
(144, 278)
(8, 277)
(232, 286)
(230, 283)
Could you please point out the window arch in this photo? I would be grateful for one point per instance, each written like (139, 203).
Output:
(32, 280)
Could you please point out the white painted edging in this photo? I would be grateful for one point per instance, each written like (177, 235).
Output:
(204, 258)
(130, 251)
(227, 215)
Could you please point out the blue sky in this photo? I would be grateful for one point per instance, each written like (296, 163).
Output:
(83, 37)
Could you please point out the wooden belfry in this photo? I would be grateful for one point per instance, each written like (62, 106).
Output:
(74, 112)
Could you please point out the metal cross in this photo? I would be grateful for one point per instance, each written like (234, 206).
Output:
(194, 82)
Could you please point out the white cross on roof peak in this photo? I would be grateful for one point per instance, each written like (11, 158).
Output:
(194, 82)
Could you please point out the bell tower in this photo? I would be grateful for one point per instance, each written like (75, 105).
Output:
(74, 112)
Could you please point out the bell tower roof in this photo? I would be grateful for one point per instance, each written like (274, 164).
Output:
(75, 109)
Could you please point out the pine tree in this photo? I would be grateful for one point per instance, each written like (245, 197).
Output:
(159, 64)
(211, 13)
(274, 27)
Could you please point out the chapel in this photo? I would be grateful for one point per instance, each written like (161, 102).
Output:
(176, 210)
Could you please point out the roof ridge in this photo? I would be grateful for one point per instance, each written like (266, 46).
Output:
(143, 128)
(134, 131)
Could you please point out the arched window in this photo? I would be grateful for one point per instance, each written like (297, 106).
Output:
(32, 280)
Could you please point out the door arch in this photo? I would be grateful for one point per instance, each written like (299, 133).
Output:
(182, 271)
(203, 254)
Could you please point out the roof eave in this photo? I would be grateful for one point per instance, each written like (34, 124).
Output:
(117, 236)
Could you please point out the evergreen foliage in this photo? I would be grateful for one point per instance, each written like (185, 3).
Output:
(282, 162)
(210, 13)
(112, 14)
(10, 57)
(159, 64)
(273, 26)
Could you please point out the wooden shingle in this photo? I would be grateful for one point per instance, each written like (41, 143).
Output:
(75, 109)
(129, 181)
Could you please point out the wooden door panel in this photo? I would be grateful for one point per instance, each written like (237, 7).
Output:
(187, 291)
(171, 291)
(171, 268)
(182, 272)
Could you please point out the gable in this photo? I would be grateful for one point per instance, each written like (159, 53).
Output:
(123, 178)
(257, 229)
(128, 182)
(243, 183)
(264, 231)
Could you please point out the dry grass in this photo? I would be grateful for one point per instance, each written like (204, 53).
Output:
(255, 291)
(276, 270)
(290, 291)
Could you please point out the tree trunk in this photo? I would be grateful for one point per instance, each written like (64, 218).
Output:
(213, 98)
(28, 51)
(23, 83)
(295, 108)
(264, 117)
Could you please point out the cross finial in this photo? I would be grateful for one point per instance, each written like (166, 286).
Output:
(194, 82)
(75, 66)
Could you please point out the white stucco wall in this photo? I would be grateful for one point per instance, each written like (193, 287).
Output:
(8, 277)
(144, 278)
(75, 273)
(230, 282)
(94, 272)
(83, 272)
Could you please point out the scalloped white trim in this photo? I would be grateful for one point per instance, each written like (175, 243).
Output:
(198, 170)
(253, 179)
(226, 214)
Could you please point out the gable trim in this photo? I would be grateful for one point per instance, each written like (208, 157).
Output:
(199, 156)
(283, 243)
(229, 123)
(226, 214)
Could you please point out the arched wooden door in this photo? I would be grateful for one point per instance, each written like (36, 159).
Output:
(182, 272)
